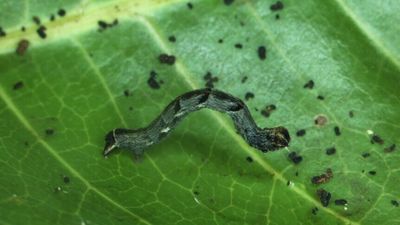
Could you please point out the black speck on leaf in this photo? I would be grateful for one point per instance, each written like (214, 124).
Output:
(152, 81)
(61, 12)
(309, 84)
(351, 114)
(220, 41)
(248, 96)
(314, 210)
(320, 97)
(41, 31)
(277, 17)
(340, 202)
(18, 85)
(372, 172)
(376, 139)
(49, 131)
(189, 5)
(262, 52)
(196, 193)
(172, 38)
(336, 129)
(324, 196)
(268, 110)
(238, 46)
(228, 2)
(126, 93)
(277, 6)
(300, 132)
(23, 29)
(391, 148)
(2, 32)
(395, 203)
(52, 17)
(366, 155)
(244, 79)
(331, 151)
(249, 159)
(166, 59)
(210, 80)
(296, 159)
(66, 179)
(102, 24)
(36, 20)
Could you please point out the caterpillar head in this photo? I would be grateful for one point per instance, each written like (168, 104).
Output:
(271, 139)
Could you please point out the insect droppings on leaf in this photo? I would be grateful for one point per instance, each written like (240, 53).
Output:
(238, 46)
(244, 79)
(196, 193)
(166, 59)
(152, 81)
(314, 210)
(330, 151)
(351, 114)
(366, 155)
(249, 159)
(323, 178)
(18, 85)
(268, 110)
(372, 172)
(23, 29)
(390, 148)
(66, 179)
(228, 2)
(61, 12)
(52, 17)
(210, 80)
(324, 197)
(340, 202)
(296, 159)
(309, 84)
(277, 6)
(41, 31)
(320, 120)
(336, 129)
(172, 38)
(49, 131)
(248, 96)
(220, 41)
(277, 16)
(36, 20)
(395, 203)
(127, 93)
(377, 139)
(22, 47)
(189, 5)
(320, 97)
(2, 32)
(301, 133)
(262, 52)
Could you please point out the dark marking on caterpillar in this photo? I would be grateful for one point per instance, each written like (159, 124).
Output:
(263, 139)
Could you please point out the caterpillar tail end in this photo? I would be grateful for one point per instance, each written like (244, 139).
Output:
(110, 143)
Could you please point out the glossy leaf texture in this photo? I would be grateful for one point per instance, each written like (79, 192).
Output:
(61, 94)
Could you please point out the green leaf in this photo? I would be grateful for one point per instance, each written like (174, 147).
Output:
(60, 98)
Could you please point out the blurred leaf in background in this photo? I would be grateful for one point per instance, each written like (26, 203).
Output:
(70, 71)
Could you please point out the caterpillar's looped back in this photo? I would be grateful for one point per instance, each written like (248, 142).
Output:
(264, 139)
